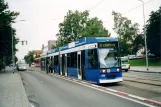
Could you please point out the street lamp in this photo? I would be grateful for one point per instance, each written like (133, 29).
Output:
(145, 37)
(13, 62)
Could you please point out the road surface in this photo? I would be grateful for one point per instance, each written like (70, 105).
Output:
(50, 91)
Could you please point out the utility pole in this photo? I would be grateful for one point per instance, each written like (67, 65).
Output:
(12, 51)
(13, 61)
(146, 51)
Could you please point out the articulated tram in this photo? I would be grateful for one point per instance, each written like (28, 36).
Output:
(94, 59)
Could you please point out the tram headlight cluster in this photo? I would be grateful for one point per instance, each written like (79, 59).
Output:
(118, 69)
(102, 70)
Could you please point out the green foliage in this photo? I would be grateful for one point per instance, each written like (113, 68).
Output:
(16, 59)
(138, 43)
(29, 58)
(128, 34)
(77, 25)
(153, 29)
(142, 62)
(6, 18)
(53, 47)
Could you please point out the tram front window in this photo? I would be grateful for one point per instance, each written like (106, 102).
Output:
(109, 58)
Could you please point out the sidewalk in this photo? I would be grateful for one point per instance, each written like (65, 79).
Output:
(152, 69)
(12, 92)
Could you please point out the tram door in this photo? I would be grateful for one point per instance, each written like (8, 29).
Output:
(65, 64)
(83, 64)
(61, 65)
(79, 70)
(53, 64)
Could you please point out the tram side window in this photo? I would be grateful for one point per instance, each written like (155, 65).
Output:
(56, 60)
(75, 60)
(72, 60)
(92, 58)
(68, 60)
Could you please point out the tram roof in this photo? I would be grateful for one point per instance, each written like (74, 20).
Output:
(83, 41)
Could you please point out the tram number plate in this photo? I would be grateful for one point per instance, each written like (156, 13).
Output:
(111, 75)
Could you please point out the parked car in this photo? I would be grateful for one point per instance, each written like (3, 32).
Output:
(21, 66)
(151, 55)
(142, 56)
(125, 64)
(131, 57)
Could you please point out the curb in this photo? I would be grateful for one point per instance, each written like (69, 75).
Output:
(145, 71)
(28, 103)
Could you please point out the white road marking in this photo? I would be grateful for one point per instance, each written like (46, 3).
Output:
(136, 97)
(110, 93)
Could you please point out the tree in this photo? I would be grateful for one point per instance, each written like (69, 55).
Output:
(77, 25)
(128, 34)
(53, 46)
(138, 43)
(29, 58)
(153, 32)
(6, 18)
(16, 59)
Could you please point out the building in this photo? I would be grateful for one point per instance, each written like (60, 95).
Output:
(37, 53)
(51, 43)
(48, 47)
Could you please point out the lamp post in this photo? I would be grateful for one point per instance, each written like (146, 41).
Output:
(13, 61)
(145, 38)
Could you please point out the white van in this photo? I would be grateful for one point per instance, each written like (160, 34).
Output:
(125, 64)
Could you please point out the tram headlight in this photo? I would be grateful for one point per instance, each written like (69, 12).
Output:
(118, 69)
(102, 70)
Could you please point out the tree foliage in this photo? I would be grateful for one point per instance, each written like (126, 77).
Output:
(77, 25)
(29, 58)
(128, 34)
(6, 18)
(153, 32)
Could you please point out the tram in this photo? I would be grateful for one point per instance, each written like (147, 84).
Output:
(94, 59)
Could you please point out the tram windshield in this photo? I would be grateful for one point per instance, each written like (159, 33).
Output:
(109, 57)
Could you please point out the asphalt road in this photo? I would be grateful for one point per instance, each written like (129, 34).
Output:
(50, 91)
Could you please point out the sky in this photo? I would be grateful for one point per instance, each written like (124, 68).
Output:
(42, 17)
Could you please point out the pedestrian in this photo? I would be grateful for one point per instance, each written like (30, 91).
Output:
(50, 68)
(13, 68)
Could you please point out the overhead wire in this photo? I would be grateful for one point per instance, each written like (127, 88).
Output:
(96, 5)
(123, 13)
(137, 7)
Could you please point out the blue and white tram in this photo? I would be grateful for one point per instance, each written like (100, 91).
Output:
(95, 59)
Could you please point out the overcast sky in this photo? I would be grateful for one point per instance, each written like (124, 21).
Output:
(43, 16)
